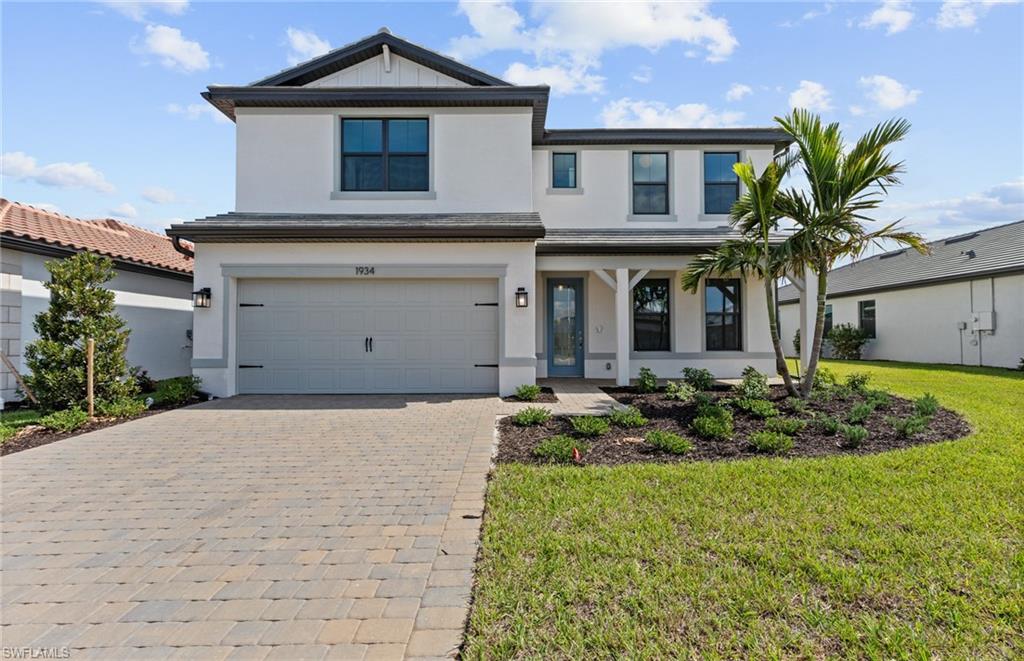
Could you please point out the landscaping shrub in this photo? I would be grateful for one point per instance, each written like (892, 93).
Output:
(680, 391)
(770, 441)
(859, 413)
(80, 307)
(125, 407)
(531, 415)
(712, 427)
(647, 381)
(669, 442)
(788, 426)
(701, 399)
(7, 432)
(759, 408)
(699, 378)
(754, 384)
(907, 427)
(828, 425)
(560, 448)
(527, 392)
(858, 381)
(713, 411)
(878, 398)
(65, 421)
(177, 391)
(796, 404)
(590, 425)
(847, 341)
(926, 405)
(824, 378)
(145, 383)
(627, 417)
(853, 435)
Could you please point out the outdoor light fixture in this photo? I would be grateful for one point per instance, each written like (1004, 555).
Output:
(522, 298)
(201, 298)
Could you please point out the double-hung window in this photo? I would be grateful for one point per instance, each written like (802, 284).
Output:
(563, 170)
(721, 185)
(650, 183)
(722, 327)
(651, 327)
(866, 317)
(384, 155)
(828, 319)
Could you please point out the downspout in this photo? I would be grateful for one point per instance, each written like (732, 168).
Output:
(176, 242)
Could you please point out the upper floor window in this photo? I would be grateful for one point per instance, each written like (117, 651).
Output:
(722, 315)
(651, 315)
(650, 183)
(721, 185)
(866, 317)
(384, 155)
(563, 170)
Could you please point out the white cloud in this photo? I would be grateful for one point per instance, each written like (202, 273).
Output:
(1002, 203)
(137, 10)
(894, 15)
(194, 111)
(20, 165)
(642, 74)
(158, 195)
(857, 111)
(888, 93)
(563, 80)
(304, 45)
(634, 113)
(811, 96)
(737, 91)
(964, 13)
(125, 210)
(173, 49)
(809, 15)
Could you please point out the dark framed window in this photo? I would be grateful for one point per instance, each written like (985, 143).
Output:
(650, 183)
(384, 155)
(563, 170)
(866, 317)
(828, 318)
(651, 326)
(722, 323)
(721, 185)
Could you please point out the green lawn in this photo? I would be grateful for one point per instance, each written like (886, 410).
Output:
(910, 554)
(12, 421)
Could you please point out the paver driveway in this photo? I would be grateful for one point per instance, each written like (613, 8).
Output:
(288, 527)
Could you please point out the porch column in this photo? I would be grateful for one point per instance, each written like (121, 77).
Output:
(808, 315)
(622, 327)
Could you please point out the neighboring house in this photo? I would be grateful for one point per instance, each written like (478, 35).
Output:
(152, 286)
(962, 304)
(405, 223)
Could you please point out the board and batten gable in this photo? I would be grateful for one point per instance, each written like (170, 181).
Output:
(375, 72)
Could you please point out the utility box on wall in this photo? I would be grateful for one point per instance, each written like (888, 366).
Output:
(983, 321)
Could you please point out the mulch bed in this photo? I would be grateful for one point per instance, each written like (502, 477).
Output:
(546, 396)
(622, 446)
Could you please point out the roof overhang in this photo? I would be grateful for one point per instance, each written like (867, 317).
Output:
(927, 282)
(47, 249)
(723, 136)
(636, 242)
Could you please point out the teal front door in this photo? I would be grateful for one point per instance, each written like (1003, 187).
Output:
(565, 327)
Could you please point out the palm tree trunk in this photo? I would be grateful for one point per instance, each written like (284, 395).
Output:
(819, 328)
(781, 366)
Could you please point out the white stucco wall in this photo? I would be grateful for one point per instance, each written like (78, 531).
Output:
(604, 177)
(920, 324)
(288, 161)
(517, 260)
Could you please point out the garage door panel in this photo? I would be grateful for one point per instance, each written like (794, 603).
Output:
(352, 348)
(454, 320)
(351, 320)
(481, 320)
(418, 321)
(322, 349)
(320, 380)
(386, 348)
(416, 350)
(321, 321)
(387, 320)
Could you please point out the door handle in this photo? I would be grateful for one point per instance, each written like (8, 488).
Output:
(371, 345)
(366, 345)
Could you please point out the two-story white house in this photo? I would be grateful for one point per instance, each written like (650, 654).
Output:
(405, 223)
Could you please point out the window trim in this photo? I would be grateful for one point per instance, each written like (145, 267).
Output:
(655, 216)
(339, 192)
(742, 333)
(704, 182)
(576, 167)
(874, 317)
(632, 315)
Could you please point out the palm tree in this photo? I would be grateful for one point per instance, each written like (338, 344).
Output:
(844, 186)
(755, 215)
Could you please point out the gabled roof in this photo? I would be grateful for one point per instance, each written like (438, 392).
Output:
(987, 252)
(24, 226)
(372, 46)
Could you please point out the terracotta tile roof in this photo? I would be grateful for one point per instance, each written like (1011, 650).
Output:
(106, 236)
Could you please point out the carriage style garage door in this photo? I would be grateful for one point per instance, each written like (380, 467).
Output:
(359, 336)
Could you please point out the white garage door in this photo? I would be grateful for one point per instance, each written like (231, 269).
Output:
(357, 336)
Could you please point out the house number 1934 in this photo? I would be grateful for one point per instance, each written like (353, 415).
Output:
(364, 270)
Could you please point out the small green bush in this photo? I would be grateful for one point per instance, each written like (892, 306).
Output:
(65, 421)
(590, 425)
(527, 392)
(828, 425)
(859, 413)
(907, 427)
(847, 341)
(559, 448)
(125, 407)
(647, 381)
(532, 415)
(926, 405)
(796, 404)
(7, 432)
(788, 426)
(627, 417)
(754, 384)
(712, 427)
(858, 381)
(770, 441)
(176, 391)
(699, 378)
(759, 408)
(703, 399)
(824, 378)
(853, 435)
(878, 398)
(669, 442)
(680, 391)
(713, 411)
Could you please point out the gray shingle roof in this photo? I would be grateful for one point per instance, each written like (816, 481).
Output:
(633, 241)
(985, 252)
(241, 226)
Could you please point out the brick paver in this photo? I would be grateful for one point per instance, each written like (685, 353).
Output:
(251, 527)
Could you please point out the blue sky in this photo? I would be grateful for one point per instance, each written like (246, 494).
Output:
(102, 115)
